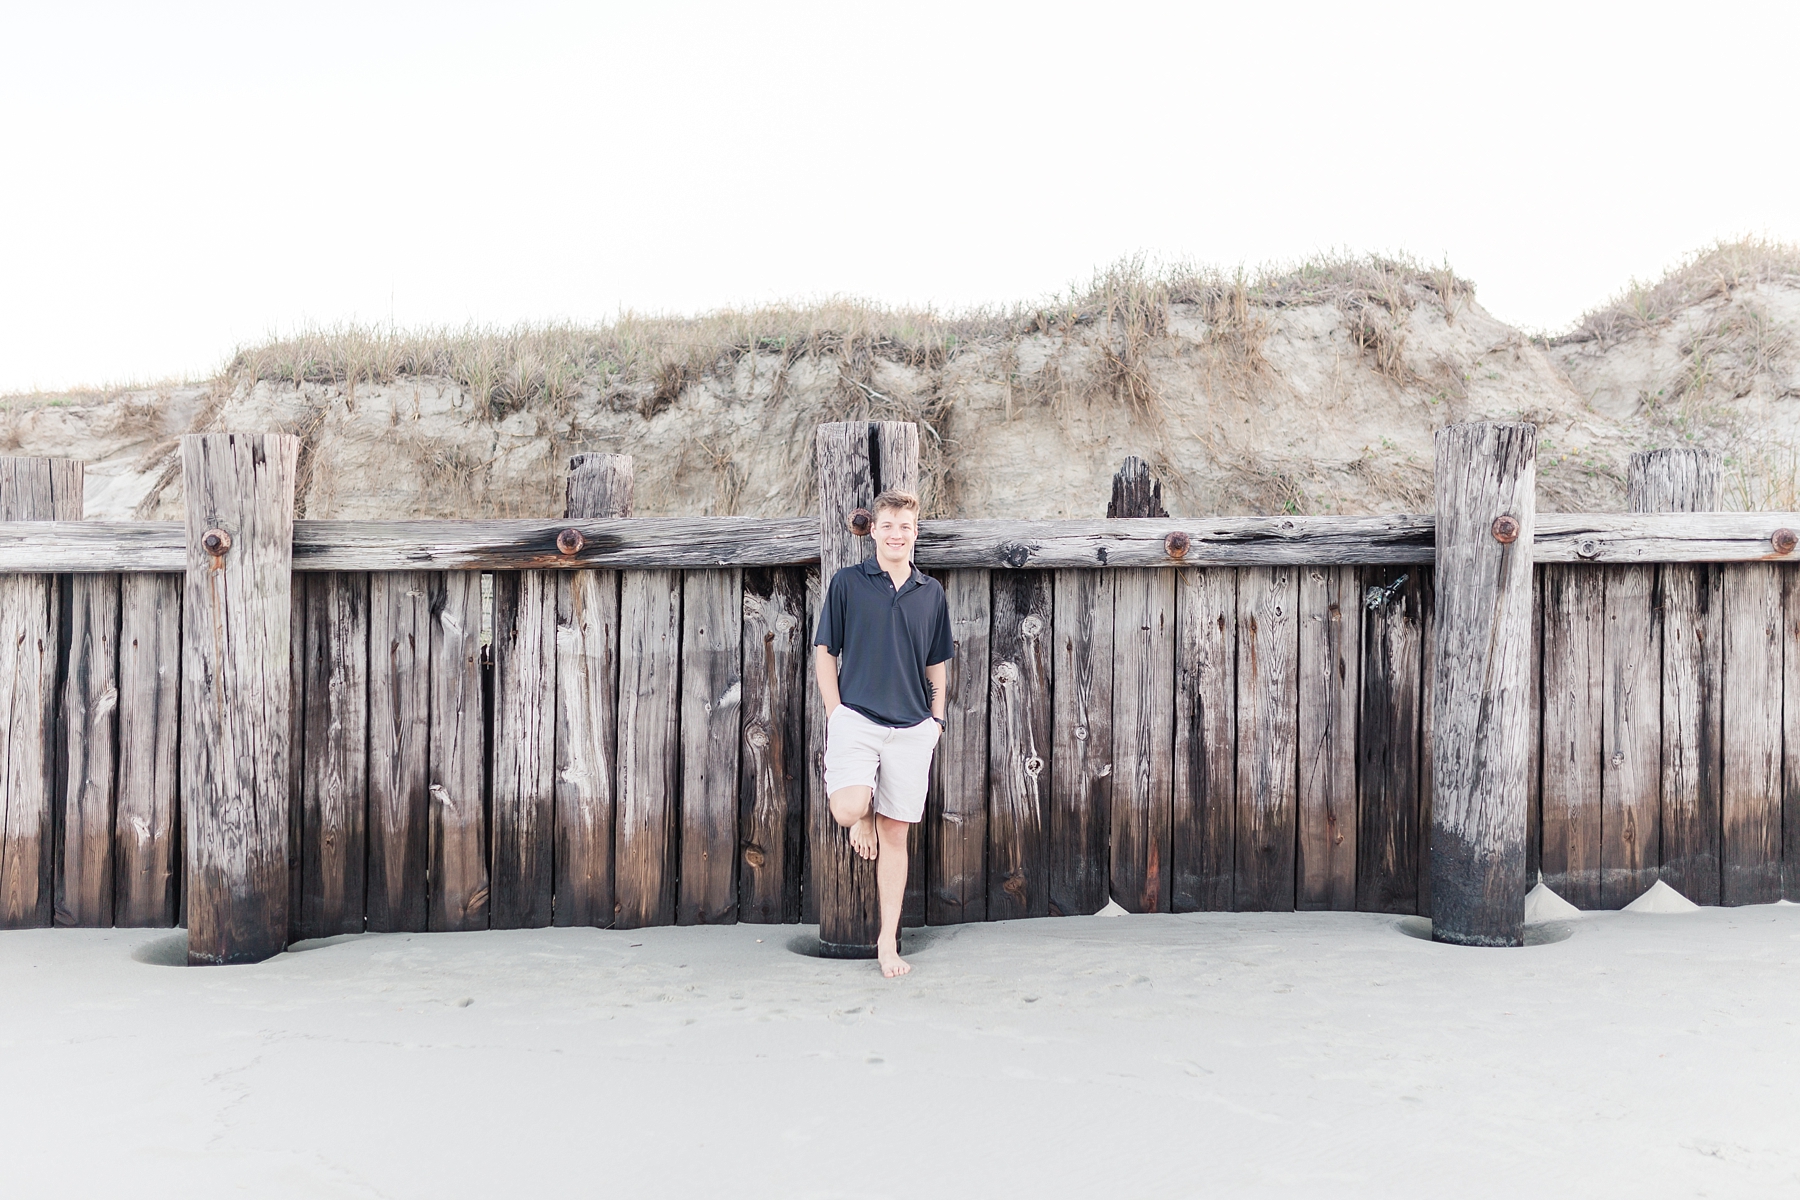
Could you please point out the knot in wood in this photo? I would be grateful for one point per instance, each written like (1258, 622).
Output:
(1784, 541)
(1006, 673)
(756, 736)
(1031, 625)
(1034, 766)
(1013, 554)
(861, 522)
(570, 541)
(753, 856)
(1176, 544)
(1081, 733)
(1506, 528)
(215, 542)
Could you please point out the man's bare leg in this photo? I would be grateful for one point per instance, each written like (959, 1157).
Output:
(890, 881)
(854, 809)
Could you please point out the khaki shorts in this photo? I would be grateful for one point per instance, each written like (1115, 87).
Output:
(895, 762)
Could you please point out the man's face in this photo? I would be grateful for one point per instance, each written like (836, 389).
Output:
(896, 529)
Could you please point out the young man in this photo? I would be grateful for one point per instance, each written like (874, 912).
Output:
(883, 651)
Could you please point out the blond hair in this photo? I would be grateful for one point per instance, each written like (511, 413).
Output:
(898, 501)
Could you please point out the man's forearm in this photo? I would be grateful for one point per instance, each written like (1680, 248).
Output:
(826, 667)
(937, 676)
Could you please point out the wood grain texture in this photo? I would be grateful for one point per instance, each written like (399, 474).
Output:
(1750, 779)
(457, 819)
(148, 866)
(1204, 842)
(1480, 679)
(1142, 819)
(1080, 742)
(1534, 804)
(332, 756)
(1330, 681)
(1267, 738)
(86, 761)
(1574, 632)
(587, 718)
(32, 490)
(1019, 745)
(649, 748)
(1674, 481)
(587, 703)
(702, 542)
(712, 641)
(235, 702)
(1388, 741)
(399, 748)
(848, 904)
(1691, 603)
(1428, 650)
(1790, 742)
(523, 804)
(1631, 740)
(816, 824)
(772, 774)
(956, 806)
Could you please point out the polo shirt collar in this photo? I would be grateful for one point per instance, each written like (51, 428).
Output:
(872, 568)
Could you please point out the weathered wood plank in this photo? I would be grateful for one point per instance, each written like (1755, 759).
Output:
(1485, 481)
(1574, 631)
(1267, 746)
(1204, 842)
(956, 807)
(1692, 709)
(1019, 745)
(587, 702)
(236, 631)
(1631, 747)
(457, 825)
(90, 702)
(848, 901)
(1534, 804)
(704, 542)
(772, 777)
(32, 490)
(1790, 741)
(1330, 679)
(523, 861)
(1142, 819)
(399, 745)
(1750, 779)
(1081, 742)
(332, 756)
(1388, 738)
(649, 748)
(147, 832)
(1427, 715)
(712, 641)
(587, 718)
(815, 823)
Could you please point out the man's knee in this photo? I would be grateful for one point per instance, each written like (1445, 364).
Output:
(891, 832)
(850, 805)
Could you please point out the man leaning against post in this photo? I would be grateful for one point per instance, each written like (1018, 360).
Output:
(883, 651)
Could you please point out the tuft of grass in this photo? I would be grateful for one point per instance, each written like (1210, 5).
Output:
(1719, 270)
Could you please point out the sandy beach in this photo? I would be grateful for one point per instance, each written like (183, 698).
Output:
(1224, 1054)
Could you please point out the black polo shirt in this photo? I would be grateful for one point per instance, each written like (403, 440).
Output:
(884, 639)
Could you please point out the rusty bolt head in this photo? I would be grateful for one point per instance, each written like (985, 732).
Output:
(861, 522)
(570, 541)
(1784, 541)
(1176, 544)
(1506, 529)
(215, 542)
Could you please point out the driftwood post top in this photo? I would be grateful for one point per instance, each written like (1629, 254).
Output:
(1673, 481)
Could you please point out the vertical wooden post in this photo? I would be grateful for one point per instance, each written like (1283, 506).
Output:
(522, 780)
(331, 755)
(587, 705)
(857, 460)
(456, 824)
(148, 868)
(1391, 766)
(1331, 608)
(772, 770)
(957, 805)
(712, 687)
(86, 776)
(31, 489)
(1019, 757)
(399, 742)
(1204, 842)
(1574, 629)
(1689, 599)
(1486, 477)
(1143, 725)
(236, 621)
(1081, 742)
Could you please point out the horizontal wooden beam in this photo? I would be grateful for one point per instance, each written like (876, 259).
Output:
(79, 547)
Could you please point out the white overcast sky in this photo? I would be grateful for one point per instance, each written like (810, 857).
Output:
(182, 179)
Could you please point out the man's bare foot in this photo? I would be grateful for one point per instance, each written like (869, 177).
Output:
(862, 837)
(888, 951)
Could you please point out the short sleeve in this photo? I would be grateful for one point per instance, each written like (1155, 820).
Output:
(943, 647)
(829, 632)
